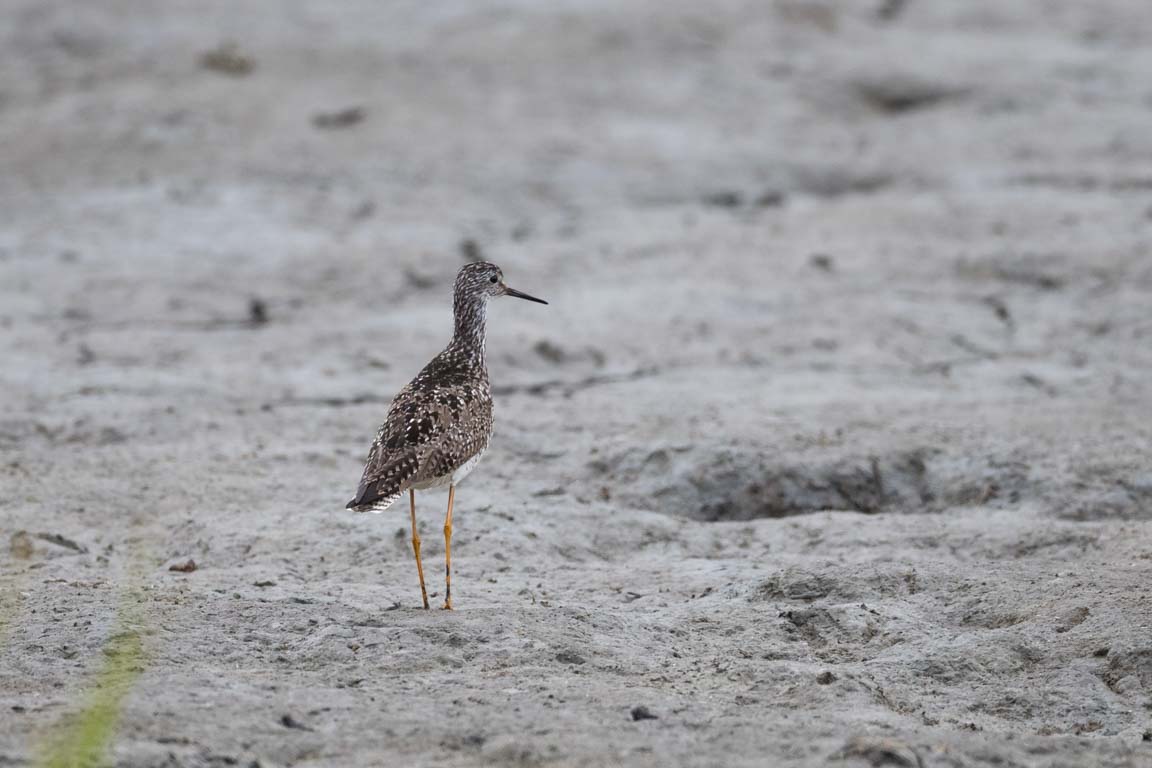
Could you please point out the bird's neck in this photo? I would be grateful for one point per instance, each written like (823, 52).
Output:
(471, 313)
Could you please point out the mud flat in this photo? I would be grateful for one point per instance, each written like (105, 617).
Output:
(834, 445)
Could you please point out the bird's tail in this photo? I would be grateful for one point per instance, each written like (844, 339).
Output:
(376, 506)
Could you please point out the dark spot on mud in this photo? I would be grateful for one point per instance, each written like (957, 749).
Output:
(889, 10)
(642, 713)
(363, 210)
(822, 262)
(257, 312)
(833, 182)
(1000, 309)
(1032, 270)
(557, 491)
(570, 657)
(227, 59)
(290, 722)
(341, 118)
(558, 355)
(61, 541)
(724, 199)
(550, 351)
(79, 44)
(897, 94)
(771, 199)
(825, 678)
(470, 250)
(470, 741)
(419, 280)
(1034, 381)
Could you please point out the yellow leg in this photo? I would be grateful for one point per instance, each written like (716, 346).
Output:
(416, 547)
(448, 550)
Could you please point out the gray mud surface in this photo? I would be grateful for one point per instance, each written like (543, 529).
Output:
(834, 446)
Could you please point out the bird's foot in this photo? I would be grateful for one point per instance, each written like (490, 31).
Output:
(447, 605)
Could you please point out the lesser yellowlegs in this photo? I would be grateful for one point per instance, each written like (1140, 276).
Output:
(439, 425)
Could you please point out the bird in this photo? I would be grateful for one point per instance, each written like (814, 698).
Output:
(439, 425)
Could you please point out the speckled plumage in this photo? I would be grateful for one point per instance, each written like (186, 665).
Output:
(441, 421)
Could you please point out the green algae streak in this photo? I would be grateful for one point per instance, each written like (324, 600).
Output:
(10, 603)
(82, 740)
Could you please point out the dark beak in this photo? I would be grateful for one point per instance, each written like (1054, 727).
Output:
(513, 292)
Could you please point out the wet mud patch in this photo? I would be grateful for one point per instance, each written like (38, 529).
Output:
(1103, 494)
(843, 583)
(1129, 671)
(842, 613)
(733, 484)
(839, 633)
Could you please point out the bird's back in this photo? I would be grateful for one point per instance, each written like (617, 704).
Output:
(435, 424)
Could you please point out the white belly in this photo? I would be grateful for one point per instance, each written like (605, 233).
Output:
(453, 479)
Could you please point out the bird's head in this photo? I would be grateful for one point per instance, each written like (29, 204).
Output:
(485, 279)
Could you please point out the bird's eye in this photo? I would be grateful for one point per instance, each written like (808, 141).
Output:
(492, 279)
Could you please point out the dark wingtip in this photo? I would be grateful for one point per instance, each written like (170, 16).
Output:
(351, 505)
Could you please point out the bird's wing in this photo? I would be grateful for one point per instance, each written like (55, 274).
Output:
(421, 438)
(394, 458)
(384, 485)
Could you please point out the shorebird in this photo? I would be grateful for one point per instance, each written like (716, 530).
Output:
(439, 425)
